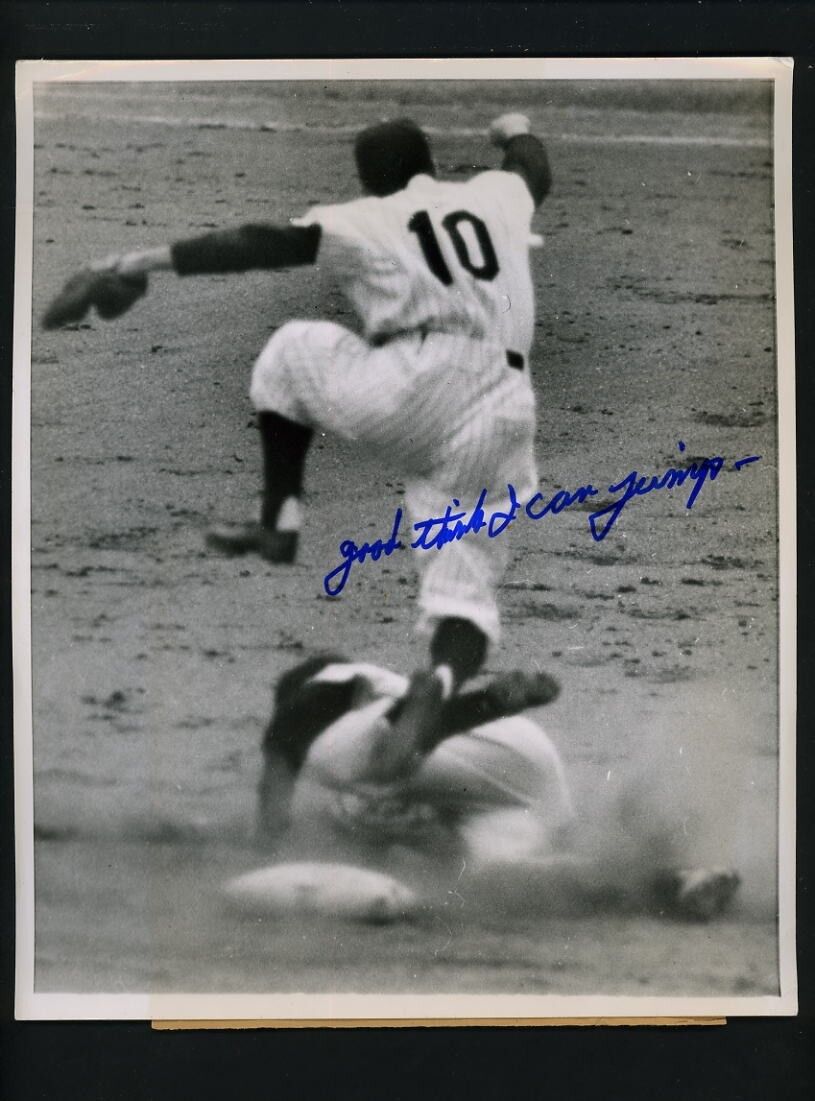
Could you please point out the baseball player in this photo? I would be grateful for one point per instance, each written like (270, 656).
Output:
(438, 381)
(483, 787)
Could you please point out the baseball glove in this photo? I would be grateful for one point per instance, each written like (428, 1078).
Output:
(111, 293)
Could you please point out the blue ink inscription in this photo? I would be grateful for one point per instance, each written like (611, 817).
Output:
(446, 533)
(351, 553)
(454, 524)
(634, 485)
(739, 463)
(561, 500)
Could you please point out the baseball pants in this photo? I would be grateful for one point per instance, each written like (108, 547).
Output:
(507, 783)
(447, 410)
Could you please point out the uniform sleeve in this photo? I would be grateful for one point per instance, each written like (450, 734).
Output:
(506, 190)
(250, 246)
(348, 234)
(525, 156)
(313, 216)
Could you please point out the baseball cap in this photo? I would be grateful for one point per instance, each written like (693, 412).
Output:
(390, 154)
(304, 708)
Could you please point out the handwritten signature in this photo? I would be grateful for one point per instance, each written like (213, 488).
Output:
(455, 523)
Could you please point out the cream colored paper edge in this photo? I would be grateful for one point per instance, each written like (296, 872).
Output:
(449, 1022)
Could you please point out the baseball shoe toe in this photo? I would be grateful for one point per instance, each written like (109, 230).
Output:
(273, 546)
(516, 691)
(698, 894)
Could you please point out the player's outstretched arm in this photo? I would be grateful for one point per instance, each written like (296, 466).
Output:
(249, 247)
(114, 284)
(524, 154)
(246, 248)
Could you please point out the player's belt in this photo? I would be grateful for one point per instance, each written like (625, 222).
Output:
(514, 359)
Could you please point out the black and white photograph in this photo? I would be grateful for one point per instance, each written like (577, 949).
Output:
(403, 540)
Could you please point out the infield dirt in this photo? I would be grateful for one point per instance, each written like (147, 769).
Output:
(154, 660)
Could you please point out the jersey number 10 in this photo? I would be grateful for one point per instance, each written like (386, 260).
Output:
(421, 225)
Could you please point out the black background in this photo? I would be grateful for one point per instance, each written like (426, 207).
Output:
(107, 1061)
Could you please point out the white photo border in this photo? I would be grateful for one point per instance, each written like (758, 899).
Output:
(382, 1008)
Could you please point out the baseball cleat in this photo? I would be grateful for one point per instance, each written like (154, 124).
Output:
(698, 894)
(273, 546)
(517, 690)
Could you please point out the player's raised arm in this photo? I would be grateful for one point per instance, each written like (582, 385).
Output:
(524, 154)
(114, 284)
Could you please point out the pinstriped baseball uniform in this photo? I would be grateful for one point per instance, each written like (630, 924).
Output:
(438, 274)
